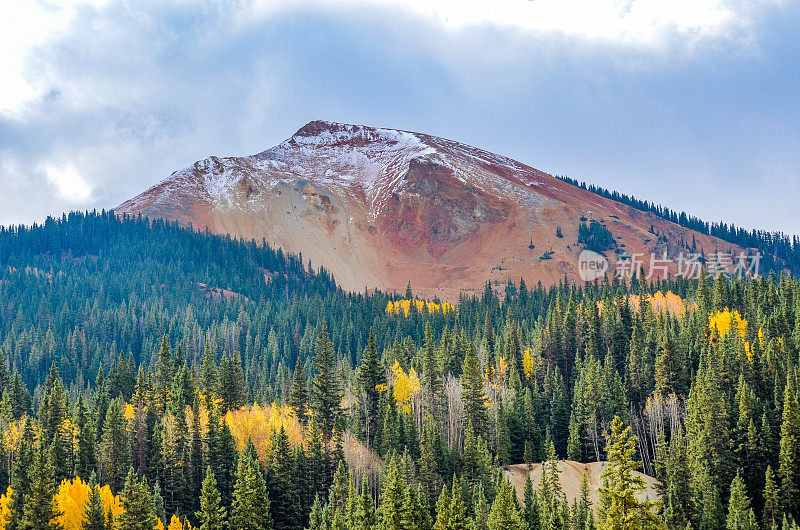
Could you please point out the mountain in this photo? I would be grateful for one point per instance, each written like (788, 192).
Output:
(383, 207)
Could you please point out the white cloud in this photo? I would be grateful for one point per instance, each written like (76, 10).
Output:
(641, 23)
(72, 187)
(24, 25)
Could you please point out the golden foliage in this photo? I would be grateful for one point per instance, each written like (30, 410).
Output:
(11, 435)
(71, 499)
(257, 423)
(527, 363)
(394, 308)
(668, 302)
(176, 524)
(405, 387)
(724, 321)
(5, 511)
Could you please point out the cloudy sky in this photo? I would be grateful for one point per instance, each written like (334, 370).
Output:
(691, 103)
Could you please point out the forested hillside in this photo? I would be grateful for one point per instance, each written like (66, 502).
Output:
(779, 251)
(154, 376)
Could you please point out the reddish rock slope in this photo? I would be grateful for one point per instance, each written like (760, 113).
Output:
(382, 207)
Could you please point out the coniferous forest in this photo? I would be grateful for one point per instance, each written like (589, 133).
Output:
(153, 376)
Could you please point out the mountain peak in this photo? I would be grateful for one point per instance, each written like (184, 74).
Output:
(382, 207)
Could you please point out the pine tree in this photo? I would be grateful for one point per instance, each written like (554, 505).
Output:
(138, 512)
(504, 514)
(620, 508)
(212, 516)
(40, 507)
(740, 515)
(298, 397)
(284, 497)
(250, 509)
(115, 447)
(86, 458)
(583, 509)
(772, 502)
(209, 377)
(370, 376)
(392, 508)
(232, 386)
(164, 375)
(94, 516)
(789, 457)
(442, 510)
(480, 520)
(474, 396)
(427, 465)
(327, 387)
(432, 380)
(669, 368)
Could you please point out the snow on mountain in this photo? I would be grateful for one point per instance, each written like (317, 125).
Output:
(381, 207)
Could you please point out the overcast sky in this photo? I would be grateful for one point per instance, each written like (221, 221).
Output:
(694, 104)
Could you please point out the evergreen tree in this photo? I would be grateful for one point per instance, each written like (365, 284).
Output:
(94, 516)
(620, 508)
(212, 516)
(138, 512)
(232, 385)
(505, 514)
(209, 377)
(432, 379)
(481, 509)
(772, 502)
(370, 375)
(40, 508)
(789, 457)
(86, 458)
(298, 397)
(392, 507)
(164, 374)
(251, 507)
(327, 387)
(474, 396)
(115, 447)
(740, 515)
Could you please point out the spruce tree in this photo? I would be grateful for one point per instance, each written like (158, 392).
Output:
(392, 508)
(209, 377)
(474, 396)
(138, 512)
(620, 508)
(740, 515)
(370, 375)
(789, 457)
(86, 457)
(115, 447)
(250, 509)
(327, 387)
(164, 374)
(772, 501)
(432, 379)
(480, 520)
(298, 396)
(212, 516)
(40, 508)
(94, 515)
(504, 514)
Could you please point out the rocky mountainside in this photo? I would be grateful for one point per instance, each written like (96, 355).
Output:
(383, 207)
